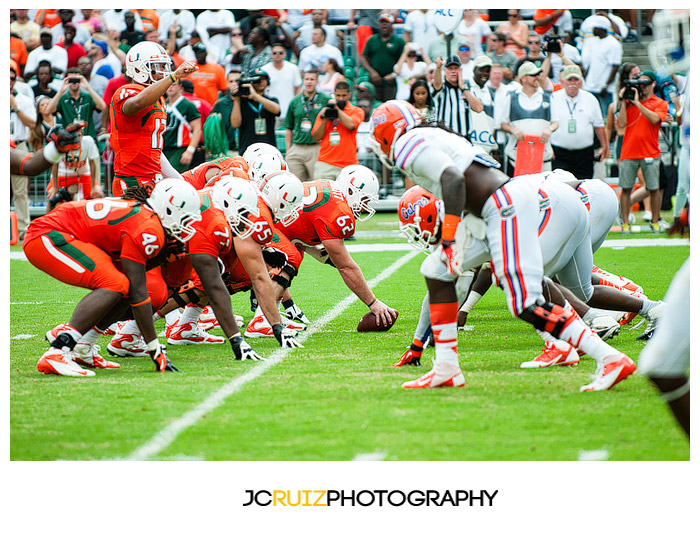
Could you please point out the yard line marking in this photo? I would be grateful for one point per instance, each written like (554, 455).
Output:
(167, 435)
(376, 456)
(23, 336)
(593, 455)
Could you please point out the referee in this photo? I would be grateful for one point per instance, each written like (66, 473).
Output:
(451, 96)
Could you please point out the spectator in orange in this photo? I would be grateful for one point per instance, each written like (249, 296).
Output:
(210, 78)
(47, 17)
(149, 18)
(546, 19)
(27, 30)
(516, 32)
(18, 52)
(336, 130)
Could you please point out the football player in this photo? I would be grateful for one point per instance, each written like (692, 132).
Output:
(504, 213)
(61, 140)
(138, 118)
(328, 217)
(82, 243)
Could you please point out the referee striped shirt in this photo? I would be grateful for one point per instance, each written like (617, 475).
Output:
(451, 108)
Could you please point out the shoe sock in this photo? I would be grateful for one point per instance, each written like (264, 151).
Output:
(191, 314)
(443, 320)
(91, 336)
(580, 336)
(647, 305)
(172, 317)
(130, 327)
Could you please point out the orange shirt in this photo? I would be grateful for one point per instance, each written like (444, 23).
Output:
(540, 14)
(213, 236)
(18, 52)
(149, 17)
(208, 80)
(51, 17)
(641, 139)
(137, 140)
(124, 229)
(326, 215)
(339, 145)
(197, 176)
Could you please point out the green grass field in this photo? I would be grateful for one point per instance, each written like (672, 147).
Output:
(339, 397)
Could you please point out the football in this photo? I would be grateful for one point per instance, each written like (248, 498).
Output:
(369, 323)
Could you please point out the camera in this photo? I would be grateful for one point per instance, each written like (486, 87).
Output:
(245, 91)
(331, 112)
(635, 83)
(74, 80)
(62, 196)
(551, 43)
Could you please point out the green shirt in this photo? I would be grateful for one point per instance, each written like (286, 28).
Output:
(82, 108)
(383, 55)
(301, 115)
(224, 106)
(178, 132)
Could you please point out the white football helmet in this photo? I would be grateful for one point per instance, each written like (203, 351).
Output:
(177, 204)
(144, 60)
(360, 187)
(256, 149)
(265, 163)
(238, 199)
(283, 192)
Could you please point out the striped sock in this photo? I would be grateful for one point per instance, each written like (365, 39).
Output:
(443, 320)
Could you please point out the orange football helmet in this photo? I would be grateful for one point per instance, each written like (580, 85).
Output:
(420, 216)
(389, 121)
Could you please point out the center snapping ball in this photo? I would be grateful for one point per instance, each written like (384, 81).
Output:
(369, 323)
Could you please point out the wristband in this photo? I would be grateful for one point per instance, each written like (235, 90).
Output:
(190, 149)
(153, 345)
(449, 226)
(23, 162)
(173, 78)
(147, 300)
(373, 302)
(51, 153)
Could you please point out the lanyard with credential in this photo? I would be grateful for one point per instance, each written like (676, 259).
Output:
(256, 110)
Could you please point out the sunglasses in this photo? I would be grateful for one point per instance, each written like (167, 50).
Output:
(237, 34)
(512, 14)
(533, 42)
(464, 49)
(13, 78)
(277, 53)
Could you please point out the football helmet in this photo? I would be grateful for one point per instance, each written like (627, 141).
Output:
(388, 122)
(420, 215)
(238, 199)
(255, 149)
(144, 60)
(177, 204)
(264, 163)
(283, 192)
(360, 187)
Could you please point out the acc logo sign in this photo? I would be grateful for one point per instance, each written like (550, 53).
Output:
(507, 212)
(413, 208)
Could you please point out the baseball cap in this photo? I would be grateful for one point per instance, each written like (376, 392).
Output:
(369, 86)
(529, 69)
(45, 30)
(199, 47)
(260, 72)
(598, 21)
(386, 17)
(453, 60)
(650, 74)
(571, 71)
(483, 61)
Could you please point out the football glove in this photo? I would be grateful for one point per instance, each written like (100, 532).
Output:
(242, 350)
(286, 337)
(410, 357)
(161, 359)
(296, 314)
(66, 139)
(450, 257)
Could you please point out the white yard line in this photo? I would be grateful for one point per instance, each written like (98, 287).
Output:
(165, 437)
(376, 456)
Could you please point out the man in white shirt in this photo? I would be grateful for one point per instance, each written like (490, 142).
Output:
(481, 124)
(57, 56)
(285, 79)
(114, 20)
(601, 58)
(419, 27)
(316, 54)
(579, 115)
(214, 27)
(185, 21)
(303, 35)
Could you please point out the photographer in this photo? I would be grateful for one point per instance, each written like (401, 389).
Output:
(641, 114)
(253, 113)
(336, 129)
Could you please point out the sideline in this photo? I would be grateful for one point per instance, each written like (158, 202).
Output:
(167, 435)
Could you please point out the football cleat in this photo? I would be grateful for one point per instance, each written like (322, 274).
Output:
(409, 357)
(259, 327)
(551, 355)
(605, 326)
(53, 333)
(56, 361)
(617, 368)
(114, 328)
(89, 356)
(296, 314)
(652, 318)
(190, 333)
(127, 345)
(442, 375)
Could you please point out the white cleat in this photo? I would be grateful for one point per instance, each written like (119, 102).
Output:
(56, 361)
(190, 333)
(127, 345)
(616, 368)
(652, 318)
(259, 327)
(442, 375)
(553, 355)
(605, 326)
(89, 356)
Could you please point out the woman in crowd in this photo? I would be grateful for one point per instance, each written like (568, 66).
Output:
(256, 53)
(420, 97)
(516, 32)
(476, 29)
(408, 69)
(332, 74)
(45, 122)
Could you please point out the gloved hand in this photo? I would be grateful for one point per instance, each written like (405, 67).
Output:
(449, 256)
(410, 357)
(160, 358)
(66, 138)
(286, 337)
(242, 350)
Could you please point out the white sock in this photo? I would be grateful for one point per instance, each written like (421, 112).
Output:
(91, 337)
(172, 317)
(446, 343)
(130, 328)
(191, 314)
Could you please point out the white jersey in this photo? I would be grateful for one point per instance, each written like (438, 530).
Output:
(423, 154)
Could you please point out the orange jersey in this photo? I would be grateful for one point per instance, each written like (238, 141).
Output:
(197, 176)
(326, 215)
(137, 140)
(213, 236)
(124, 229)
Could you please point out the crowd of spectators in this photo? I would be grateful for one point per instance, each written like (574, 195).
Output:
(308, 80)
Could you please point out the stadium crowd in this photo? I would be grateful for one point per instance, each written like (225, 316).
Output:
(533, 90)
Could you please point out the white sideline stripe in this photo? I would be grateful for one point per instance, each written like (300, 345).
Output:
(22, 336)
(593, 455)
(376, 456)
(168, 434)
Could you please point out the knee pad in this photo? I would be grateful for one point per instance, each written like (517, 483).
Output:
(549, 317)
(274, 257)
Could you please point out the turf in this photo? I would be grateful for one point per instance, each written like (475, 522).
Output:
(339, 397)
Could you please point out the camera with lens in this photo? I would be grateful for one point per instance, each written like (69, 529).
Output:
(61, 196)
(331, 112)
(245, 91)
(74, 80)
(631, 84)
(552, 44)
